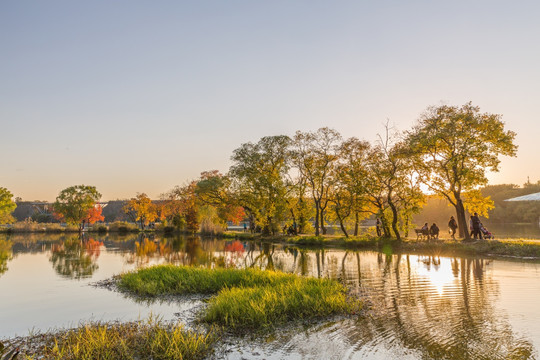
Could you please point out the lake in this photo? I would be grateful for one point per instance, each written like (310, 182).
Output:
(418, 307)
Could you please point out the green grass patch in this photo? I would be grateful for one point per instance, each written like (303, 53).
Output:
(178, 280)
(246, 298)
(242, 308)
(140, 340)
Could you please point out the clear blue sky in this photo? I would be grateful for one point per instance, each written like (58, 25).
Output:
(139, 96)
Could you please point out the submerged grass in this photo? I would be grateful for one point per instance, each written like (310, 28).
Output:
(246, 298)
(139, 340)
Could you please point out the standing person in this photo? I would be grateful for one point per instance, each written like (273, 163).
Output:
(476, 226)
(452, 224)
(378, 227)
(245, 227)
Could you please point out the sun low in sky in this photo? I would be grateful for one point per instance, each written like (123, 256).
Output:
(138, 96)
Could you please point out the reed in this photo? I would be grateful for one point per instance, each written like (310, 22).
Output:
(151, 339)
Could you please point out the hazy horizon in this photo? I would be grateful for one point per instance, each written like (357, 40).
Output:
(138, 97)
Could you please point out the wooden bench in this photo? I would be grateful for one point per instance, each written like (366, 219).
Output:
(421, 234)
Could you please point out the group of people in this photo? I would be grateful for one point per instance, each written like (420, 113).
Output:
(430, 231)
(478, 230)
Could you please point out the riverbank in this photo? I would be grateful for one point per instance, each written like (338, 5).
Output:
(448, 247)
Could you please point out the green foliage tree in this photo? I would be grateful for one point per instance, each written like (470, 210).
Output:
(75, 202)
(258, 180)
(7, 206)
(213, 190)
(315, 155)
(453, 147)
(349, 197)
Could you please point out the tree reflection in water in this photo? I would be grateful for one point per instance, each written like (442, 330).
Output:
(458, 323)
(75, 257)
(425, 306)
(6, 254)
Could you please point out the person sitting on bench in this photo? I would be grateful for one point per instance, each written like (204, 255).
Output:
(425, 229)
(434, 231)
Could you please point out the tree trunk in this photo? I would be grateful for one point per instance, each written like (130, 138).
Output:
(385, 227)
(462, 221)
(316, 219)
(321, 214)
(342, 226)
(407, 226)
(394, 218)
(356, 221)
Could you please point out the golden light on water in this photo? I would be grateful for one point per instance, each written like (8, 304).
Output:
(437, 271)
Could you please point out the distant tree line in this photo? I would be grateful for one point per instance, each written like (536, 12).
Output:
(307, 181)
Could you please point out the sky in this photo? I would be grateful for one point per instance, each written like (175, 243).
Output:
(140, 96)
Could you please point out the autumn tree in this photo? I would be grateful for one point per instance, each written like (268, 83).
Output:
(141, 209)
(213, 189)
(258, 180)
(454, 147)
(95, 214)
(349, 196)
(7, 206)
(315, 154)
(182, 204)
(74, 203)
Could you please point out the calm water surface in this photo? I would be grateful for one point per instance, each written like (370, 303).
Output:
(420, 307)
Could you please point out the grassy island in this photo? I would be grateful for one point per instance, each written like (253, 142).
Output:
(245, 299)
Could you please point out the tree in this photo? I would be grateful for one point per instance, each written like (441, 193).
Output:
(258, 180)
(454, 146)
(141, 209)
(350, 195)
(7, 206)
(314, 155)
(181, 205)
(95, 214)
(74, 203)
(213, 190)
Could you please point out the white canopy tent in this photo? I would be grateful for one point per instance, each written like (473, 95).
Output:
(530, 197)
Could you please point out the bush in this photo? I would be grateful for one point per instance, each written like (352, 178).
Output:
(123, 227)
(99, 228)
(54, 228)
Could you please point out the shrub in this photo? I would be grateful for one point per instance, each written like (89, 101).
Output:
(123, 227)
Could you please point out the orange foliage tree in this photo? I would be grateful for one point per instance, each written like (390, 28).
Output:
(95, 214)
(141, 210)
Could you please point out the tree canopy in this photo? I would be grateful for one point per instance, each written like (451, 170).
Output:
(75, 203)
(7, 206)
(454, 147)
